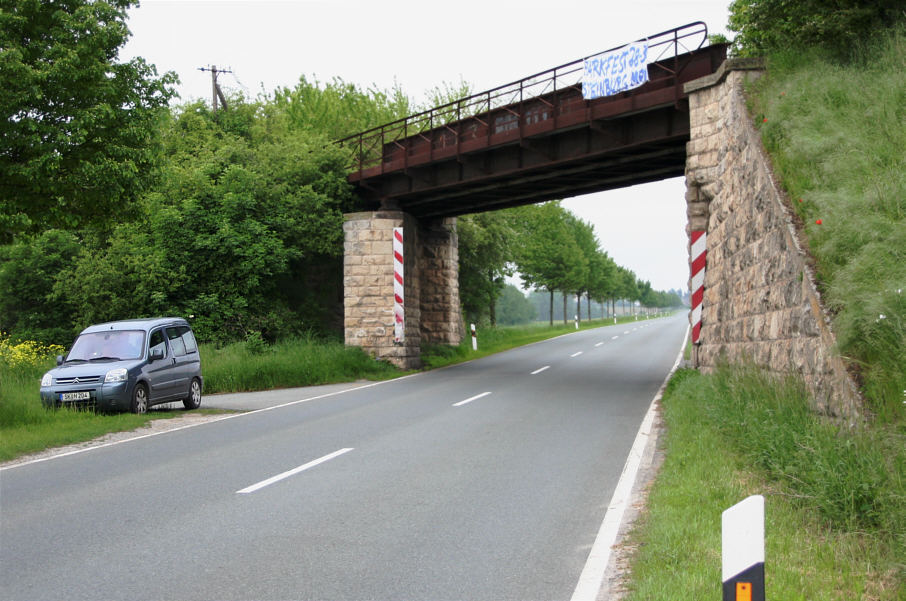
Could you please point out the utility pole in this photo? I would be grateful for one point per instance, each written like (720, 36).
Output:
(215, 89)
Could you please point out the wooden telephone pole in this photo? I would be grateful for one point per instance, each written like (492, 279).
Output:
(215, 89)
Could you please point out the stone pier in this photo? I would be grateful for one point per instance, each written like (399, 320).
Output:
(431, 289)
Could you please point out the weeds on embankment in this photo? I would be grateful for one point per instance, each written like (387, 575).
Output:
(25, 425)
(835, 494)
(837, 134)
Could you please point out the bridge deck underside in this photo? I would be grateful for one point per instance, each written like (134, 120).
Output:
(555, 146)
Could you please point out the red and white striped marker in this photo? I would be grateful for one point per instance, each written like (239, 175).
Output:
(398, 310)
(697, 256)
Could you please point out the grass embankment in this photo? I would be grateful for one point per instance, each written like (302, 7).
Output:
(26, 426)
(835, 496)
(837, 137)
(255, 365)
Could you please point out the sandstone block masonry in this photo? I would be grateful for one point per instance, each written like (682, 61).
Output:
(760, 301)
(431, 288)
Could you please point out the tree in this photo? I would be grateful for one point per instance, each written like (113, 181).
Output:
(485, 241)
(78, 129)
(627, 288)
(766, 26)
(548, 256)
(603, 283)
(28, 270)
(337, 109)
(584, 234)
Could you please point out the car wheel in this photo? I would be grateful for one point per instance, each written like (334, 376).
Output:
(140, 399)
(193, 401)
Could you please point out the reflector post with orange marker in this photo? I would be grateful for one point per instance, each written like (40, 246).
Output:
(743, 550)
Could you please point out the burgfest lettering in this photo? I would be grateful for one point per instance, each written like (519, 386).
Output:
(616, 71)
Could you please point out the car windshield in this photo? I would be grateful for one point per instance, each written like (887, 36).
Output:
(112, 345)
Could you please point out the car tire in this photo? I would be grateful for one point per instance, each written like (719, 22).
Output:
(139, 399)
(193, 401)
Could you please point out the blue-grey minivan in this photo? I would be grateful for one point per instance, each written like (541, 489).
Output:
(128, 366)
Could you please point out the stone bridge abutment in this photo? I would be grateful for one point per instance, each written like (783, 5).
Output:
(760, 303)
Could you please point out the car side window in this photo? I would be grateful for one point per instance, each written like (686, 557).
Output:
(176, 341)
(157, 342)
(189, 338)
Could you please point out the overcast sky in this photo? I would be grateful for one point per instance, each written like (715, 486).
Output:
(420, 45)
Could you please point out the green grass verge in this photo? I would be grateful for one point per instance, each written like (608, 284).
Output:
(835, 496)
(836, 134)
(251, 366)
(27, 427)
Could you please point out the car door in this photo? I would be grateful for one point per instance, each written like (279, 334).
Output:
(163, 374)
(185, 354)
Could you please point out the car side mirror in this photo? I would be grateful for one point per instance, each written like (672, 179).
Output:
(157, 354)
(59, 359)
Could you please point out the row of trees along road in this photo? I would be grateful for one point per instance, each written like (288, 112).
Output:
(553, 251)
(114, 203)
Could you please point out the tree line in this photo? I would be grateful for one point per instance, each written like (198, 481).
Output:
(554, 252)
(115, 204)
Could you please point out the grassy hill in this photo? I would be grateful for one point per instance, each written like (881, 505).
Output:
(837, 135)
(835, 494)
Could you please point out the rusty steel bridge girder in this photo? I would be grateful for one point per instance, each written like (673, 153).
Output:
(550, 146)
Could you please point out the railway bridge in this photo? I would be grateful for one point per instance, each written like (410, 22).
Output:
(563, 133)
(537, 139)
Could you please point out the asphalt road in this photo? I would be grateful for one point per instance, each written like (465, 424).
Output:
(486, 480)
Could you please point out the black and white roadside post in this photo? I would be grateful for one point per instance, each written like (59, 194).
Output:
(474, 338)
(743, 550)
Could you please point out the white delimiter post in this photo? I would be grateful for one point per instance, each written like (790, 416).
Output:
(743, 551)
(474, 338)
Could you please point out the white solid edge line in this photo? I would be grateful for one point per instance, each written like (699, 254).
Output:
(213, 421)
(599, 557)
(538, 371)
(469, 400)
(292, 472)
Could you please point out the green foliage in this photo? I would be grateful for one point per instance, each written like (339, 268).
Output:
(769, 26)
(514, 308)
(836, 134)
(485, 250)
(548, 254)
(30, 307)
(77, 130)
(834, 495)
(303, 361)
(337, 109)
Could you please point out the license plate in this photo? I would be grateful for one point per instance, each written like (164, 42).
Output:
(75, 396)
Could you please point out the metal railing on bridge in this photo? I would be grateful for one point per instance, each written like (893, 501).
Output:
(374, 147)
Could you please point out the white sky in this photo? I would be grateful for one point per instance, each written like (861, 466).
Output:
(420, 45)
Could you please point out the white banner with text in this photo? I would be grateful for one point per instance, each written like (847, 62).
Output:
(616, 71)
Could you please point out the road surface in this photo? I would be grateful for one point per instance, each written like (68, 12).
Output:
(485, 480)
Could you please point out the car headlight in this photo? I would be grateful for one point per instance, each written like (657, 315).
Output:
(116, 375)
(47, 380)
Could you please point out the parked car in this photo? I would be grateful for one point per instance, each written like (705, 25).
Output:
(128, 366)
